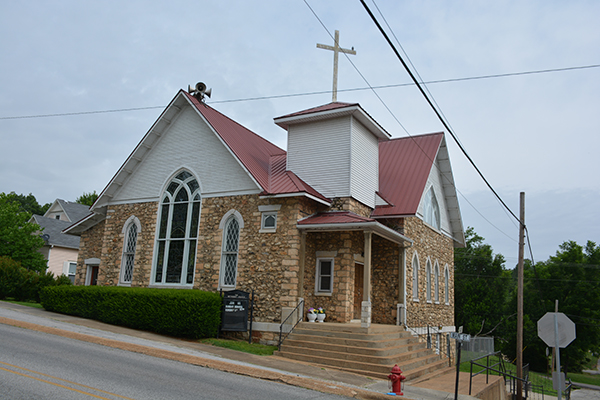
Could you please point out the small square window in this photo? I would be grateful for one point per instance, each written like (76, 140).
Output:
(269, 222)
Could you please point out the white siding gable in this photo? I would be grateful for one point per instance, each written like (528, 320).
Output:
(319, 153)
(339, 157)
(188, 143)
(364, 164)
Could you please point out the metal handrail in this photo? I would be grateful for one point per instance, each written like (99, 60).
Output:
(501, 371)
(427, 339)
(300, 316)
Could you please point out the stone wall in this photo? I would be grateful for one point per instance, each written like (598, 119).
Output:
(429, 244)
(342, 246)
(350, 204)
(112, 246)
(90, 246)
(385, 288)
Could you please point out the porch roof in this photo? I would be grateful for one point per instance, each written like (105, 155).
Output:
(336, 221)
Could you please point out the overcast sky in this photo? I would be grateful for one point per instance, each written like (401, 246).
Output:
(537, 133)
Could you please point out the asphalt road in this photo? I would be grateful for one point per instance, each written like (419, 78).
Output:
(35, 365)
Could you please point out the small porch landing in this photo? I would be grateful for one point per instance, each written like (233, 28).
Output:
(369, 351)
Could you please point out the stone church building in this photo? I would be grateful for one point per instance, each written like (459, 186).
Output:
(348, 218)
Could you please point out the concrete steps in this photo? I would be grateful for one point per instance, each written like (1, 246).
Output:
(366, 351)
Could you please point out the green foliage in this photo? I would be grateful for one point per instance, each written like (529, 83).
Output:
(87, 199)
(28, 203)
(181, 313)
(480, 286)
(19, 239)
(24, 285)
(486, 299)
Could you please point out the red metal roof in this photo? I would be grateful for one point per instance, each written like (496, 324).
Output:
(324, 107)
(282, 181)
(404, 166)
(265, 161)
(253, 151)
(334, 217)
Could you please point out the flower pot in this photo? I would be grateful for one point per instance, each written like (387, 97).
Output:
(311, 317)
(320, 317)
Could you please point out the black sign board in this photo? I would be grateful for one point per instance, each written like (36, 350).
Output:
(236, 304)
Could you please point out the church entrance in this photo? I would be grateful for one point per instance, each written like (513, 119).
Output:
(358, 288)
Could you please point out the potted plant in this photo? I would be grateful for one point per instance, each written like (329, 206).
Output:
(320, 314)
(312, 315)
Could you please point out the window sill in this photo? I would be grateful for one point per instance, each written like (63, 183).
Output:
(268, 230)
(323, 294)
(415, 300)
(170, 286)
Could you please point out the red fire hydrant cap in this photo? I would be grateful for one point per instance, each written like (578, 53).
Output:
(396, 370)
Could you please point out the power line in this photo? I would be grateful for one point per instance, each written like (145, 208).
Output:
(280, 96)
(435, 110)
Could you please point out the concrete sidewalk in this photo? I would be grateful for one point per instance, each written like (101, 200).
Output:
(263, 367)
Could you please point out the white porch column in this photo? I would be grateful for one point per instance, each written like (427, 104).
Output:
(365, 312)
(401, 307)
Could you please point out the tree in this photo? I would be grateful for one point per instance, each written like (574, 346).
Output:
(572, 278)
(19, 239)
(87, 199)
(28, 203)
(480, 286)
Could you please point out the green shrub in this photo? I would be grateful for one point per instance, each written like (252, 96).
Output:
(23, 284)
(181, 313)
(11, 275)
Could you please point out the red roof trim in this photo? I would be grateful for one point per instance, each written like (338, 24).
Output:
(334, 217)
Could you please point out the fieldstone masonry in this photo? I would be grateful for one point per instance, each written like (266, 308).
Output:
(269, 263)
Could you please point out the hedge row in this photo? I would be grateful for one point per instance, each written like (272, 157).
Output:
(23, 285)
(181, 313)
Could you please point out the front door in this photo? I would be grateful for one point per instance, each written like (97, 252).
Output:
(94, 275)
(359, 280)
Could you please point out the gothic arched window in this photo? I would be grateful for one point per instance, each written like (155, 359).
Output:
(178, 222)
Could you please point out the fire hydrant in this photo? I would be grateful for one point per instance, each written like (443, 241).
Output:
(396, 379)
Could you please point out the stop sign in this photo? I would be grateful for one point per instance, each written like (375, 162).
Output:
(547, 330)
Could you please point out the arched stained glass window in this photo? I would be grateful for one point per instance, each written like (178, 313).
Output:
(415, 275)
(447, 285)
(436, 283)
(229, 255)
(176, 243)
(131, 230)
(428, 280)
(431, 209)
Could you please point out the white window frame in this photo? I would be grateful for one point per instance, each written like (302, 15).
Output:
(224, 226)
(319, 275)
(431, 210)
(269, 210)
(67, 269)
(127, 226)
(415, 275)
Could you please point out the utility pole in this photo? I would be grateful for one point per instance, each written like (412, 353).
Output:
(520, 299)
